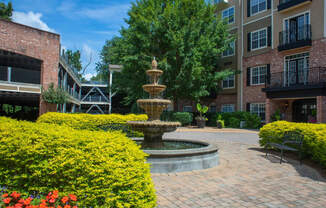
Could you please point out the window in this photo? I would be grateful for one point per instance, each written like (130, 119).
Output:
(230, 50)
(228, 15)
(296, 69)
(257, 6)
(187, 108)
(228, 82)
(258, 109)
(227, 108)
(258, 75)
(259, 39)
(212, 109)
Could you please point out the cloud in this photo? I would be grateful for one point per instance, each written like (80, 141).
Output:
(107, 13)
(66, 6)
(89, 76)
(89, 57)
(31, 19)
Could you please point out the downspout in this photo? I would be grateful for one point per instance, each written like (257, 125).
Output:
(241, 59)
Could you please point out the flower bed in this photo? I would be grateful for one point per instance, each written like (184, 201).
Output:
(314, 144)
(102, 168)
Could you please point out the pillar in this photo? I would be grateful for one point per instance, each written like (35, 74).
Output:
(268, 109)
(321, 109)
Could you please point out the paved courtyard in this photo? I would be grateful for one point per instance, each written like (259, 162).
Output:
(244, 178)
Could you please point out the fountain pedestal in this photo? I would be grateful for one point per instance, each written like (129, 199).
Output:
(163, 158)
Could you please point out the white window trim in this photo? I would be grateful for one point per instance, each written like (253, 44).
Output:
(230, 23)
(251, 14)
(296, 15)
(233, 105)
(183, 109)
(229, 87)
(251, 49)
(258, 108)
(210, 107)
(233, 54)
(251, 68)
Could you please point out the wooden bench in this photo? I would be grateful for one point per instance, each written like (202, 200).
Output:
(290, 137)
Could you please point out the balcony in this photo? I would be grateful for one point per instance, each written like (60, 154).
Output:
(295, 38)
(306, 82)
(288, 4)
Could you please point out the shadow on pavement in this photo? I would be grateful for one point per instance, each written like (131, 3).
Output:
(308, 168)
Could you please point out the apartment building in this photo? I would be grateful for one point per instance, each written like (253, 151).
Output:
(31, 59)
(281, 53)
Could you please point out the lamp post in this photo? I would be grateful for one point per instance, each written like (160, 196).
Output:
(112, 69)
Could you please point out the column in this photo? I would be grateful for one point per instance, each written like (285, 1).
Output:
(110, 93)
(268, 109)
(321, 109)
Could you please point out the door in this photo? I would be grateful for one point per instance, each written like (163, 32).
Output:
(304, 110)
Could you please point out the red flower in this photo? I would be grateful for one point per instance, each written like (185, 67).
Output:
(18, 205)
(74, 207)
(7, 200)
(64, 199)
(4, 195)
(59, 206)
(15, 195)
(28, 201)
(52, 201)
(67, 206)
(73, 197)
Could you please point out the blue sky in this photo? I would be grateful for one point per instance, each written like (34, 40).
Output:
(82, 24)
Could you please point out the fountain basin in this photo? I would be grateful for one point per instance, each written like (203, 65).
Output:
(154, 89)
(172, 161)
(153, 107)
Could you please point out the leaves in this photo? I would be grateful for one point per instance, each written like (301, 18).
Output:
(54, 95)
(6, 10)
(186, 37)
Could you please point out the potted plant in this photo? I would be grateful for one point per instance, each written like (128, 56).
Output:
(220, 122)
(201, 119)
(53, 96)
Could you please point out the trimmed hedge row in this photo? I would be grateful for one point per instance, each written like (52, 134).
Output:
(88, 121)
(314, 144)
(104, 169)
(252, 121)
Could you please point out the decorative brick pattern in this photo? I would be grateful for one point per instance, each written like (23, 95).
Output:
(244, 178)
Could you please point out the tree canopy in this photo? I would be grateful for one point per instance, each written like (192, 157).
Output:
(6, 10)
(187, 38)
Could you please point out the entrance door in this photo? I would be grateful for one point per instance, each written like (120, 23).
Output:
(304, 110)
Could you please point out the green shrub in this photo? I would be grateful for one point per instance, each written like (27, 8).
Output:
(102, 168)
(167, 116)
(183, 117)
(85, 121)
(314, 144)
(234, 122)
(252, 121)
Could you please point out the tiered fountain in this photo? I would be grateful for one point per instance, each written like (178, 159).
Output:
(168, 155)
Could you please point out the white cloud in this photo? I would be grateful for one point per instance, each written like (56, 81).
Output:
(108, 13)
(31, 19)
(89, 76)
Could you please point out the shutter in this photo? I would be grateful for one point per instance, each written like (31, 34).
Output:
(248, 8)
(269, 4)
(249, 42)
(248, 107)
(248, 76)
(268, 74)
(269, 36)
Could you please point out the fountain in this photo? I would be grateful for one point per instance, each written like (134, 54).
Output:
(168, 155)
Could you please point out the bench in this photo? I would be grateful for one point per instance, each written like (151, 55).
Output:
(290, 137)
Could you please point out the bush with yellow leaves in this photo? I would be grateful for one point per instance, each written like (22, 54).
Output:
(104, 169)
(314, 144)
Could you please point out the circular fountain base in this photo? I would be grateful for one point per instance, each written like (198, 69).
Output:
(197, 156)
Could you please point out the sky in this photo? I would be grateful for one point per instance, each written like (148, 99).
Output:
(82, 24)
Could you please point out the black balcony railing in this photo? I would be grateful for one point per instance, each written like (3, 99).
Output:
(285, 4)
(306, 77)
(95, 98)
(295, 38)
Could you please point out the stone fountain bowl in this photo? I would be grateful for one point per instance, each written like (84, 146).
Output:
(153, 126)
(154, 89)
(204, 156)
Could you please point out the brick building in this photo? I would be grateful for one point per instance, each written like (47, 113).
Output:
(280, 51)
(31, 59)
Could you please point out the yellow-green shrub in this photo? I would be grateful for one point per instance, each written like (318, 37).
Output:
(314, 137)
(88, 121)
(101, 168)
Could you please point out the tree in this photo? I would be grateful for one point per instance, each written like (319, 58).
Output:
(186, 37)
(6, 10)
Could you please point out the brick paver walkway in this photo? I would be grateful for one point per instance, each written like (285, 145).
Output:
(244, 178)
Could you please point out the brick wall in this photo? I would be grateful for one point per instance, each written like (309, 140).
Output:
(34, 43)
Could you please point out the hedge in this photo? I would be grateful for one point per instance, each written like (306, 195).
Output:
(314, 144)
(104, 169)
(252, 121)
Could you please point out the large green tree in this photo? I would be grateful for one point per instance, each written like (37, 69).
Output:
(6, 10)
(187, 38)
